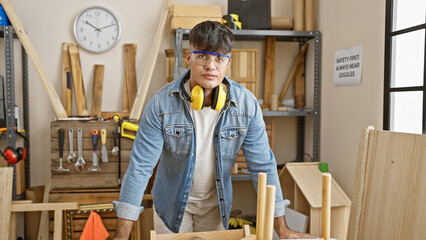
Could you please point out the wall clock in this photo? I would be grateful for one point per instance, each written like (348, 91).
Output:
(97, 29)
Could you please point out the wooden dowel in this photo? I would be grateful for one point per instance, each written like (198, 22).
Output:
(269, 213)
(261, 199)
(326, 205)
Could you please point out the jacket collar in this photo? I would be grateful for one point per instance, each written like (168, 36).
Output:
(178, 88)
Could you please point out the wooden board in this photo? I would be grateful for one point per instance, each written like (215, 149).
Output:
(66, 79)
(269, 69)
(98, 83)
(6, 179)
(33, 56)
(190, 22)
(197, 11)
(77, 79)
(393, 196)
(130, 85)
(299, 86)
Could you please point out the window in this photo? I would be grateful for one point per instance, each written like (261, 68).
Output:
(405, 66)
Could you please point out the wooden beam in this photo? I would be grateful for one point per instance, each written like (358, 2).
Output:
(43, 229)
(98, 84)
(6, 179)
(130, 82)
(32, 54)
(34, 207)
(136, 111)
(269, 70)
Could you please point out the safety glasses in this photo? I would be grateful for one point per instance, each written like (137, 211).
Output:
(203, 58)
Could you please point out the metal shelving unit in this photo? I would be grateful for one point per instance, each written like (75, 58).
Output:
(8, 34)
(288, 36)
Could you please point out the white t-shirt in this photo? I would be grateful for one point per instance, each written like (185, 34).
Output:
(203, 184)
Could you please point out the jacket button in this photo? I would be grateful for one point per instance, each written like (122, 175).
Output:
(216, 135)
(218, 179)
(221, 199)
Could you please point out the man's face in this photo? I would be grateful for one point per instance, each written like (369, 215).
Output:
(207, 70)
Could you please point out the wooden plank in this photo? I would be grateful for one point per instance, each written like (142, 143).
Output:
(98, 84)
(190, 22)
(20, 177)
(88, 196)
(130, 74)
(77, 79)
(269, 70)
(299, 86)
(6, 179)
(394, 187)
(66, 79)
(197, 11)
(32, 54)
(25, 207)
(43, 230)
(235, 234)
(139, 102)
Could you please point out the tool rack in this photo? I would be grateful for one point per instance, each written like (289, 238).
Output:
(288, 36)
(8, 34)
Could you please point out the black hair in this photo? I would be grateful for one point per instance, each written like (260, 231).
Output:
(211, 36)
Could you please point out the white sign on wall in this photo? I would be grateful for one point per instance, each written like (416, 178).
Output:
(348, 67)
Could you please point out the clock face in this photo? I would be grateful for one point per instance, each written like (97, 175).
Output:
(97, 29)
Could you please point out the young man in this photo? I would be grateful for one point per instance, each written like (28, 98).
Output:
(195, 126)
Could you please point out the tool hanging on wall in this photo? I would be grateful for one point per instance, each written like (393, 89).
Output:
(61, 137)
(115, 149)
(129, 127)
(79, 164)
(104, 149)
(95, 165)
(71, 155)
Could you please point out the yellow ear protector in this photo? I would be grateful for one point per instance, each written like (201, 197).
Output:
(198, 98)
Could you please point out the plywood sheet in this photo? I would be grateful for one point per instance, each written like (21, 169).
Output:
(392, 202)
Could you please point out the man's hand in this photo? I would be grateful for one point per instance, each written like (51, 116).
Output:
(123, 229)
(286, 233)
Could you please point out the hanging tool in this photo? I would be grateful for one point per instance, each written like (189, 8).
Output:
(61, 136)
(79, 165)
(130, 127)
(71, 155)
(95, 167)
(104, 149)
(115, 149)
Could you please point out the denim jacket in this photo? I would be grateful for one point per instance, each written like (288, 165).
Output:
(166, 133)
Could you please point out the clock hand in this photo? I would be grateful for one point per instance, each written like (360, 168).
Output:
(96, 29)
(107, 26)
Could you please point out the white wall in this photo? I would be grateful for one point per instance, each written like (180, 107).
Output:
(345, 110)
